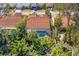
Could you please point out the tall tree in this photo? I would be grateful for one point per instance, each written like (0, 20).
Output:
(21, 28)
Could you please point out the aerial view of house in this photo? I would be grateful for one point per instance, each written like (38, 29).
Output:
(39, 29)
(39, 23)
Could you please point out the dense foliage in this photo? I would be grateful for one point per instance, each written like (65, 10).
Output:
(19, 43)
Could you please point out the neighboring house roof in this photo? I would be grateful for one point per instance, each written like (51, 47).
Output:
(38, 22)
(27, 12)
(12, 5)
(65, 21)
(9, 21)
(19, 6)
(26, 4)
(3, 5)
(35, 5)
(49, 4)
(16, 13)
(41, 12)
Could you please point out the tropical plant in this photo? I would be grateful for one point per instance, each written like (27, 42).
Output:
(60, 52)
(21, 28)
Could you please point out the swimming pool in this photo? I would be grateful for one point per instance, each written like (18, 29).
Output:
(41, 33)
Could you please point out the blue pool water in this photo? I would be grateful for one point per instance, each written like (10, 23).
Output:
(41, 33)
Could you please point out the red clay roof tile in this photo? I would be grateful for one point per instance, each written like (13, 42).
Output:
(37, 22)
(65, 21)
(9, 21)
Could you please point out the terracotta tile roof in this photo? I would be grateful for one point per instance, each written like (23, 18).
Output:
(65, 21)
(9, 21)
(36, 22)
